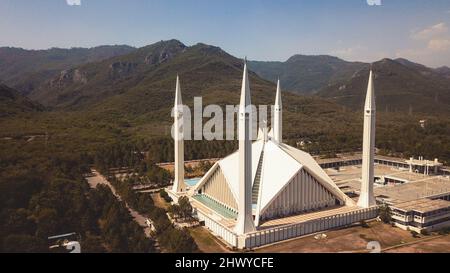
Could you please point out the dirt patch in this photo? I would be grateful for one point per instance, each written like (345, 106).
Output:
(206, 242)
(159, 202)
(352, 239)
(437, 245)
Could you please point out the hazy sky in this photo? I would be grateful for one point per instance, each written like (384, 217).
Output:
(260, 29)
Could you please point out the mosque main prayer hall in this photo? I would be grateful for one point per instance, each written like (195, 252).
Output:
(268, 191)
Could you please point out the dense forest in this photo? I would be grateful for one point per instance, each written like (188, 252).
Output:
(44, 193)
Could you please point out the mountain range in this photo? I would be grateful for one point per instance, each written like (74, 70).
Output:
(79, 77)
(401, 85)
(307, 75)
(27, 69)
(130, 95)
(134, 93)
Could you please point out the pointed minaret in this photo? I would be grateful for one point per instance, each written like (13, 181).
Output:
(366, 198)
(278, 116)
(178, 184)
(245, 218)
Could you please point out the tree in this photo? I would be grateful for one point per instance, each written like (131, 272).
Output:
(92, 244)
(185, 207)
(424, 232)
(165, 196)
(178, 241)
(385, 214)
(204, 166)
(174, 211)
(48, 223)
(188, 168)
(23, 244)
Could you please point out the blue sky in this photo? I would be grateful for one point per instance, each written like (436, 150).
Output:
(259, 29)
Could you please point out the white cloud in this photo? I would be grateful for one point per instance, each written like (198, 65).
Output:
(348, 52)
(439, 44)
(73, 2)
(430, 46)
(430, 32)
(359, 53)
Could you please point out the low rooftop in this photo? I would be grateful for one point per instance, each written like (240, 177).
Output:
(423, 205)
(418, 186)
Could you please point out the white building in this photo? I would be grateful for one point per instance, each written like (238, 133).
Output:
(268, 191)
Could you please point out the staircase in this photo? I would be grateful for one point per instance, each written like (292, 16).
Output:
(255, 189)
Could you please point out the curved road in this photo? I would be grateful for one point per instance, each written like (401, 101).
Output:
(97, 178)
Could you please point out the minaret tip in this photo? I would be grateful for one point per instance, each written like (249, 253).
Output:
(370, 95)
(277, 122)
(278, 94)
(245, 90)
(178, 100)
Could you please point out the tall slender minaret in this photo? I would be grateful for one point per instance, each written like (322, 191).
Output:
(366, 198)
(178, 184)
(278, 116)
(245, 218)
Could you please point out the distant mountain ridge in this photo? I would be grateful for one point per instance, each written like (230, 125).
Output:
(403, 85)
(93, 82)
(143, 79)
(136, 90)
(304, 74)
(80, 82)
(400, 85)
(444, 71)
(25, 69)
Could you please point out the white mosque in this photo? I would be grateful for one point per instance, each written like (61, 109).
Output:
(268, 191)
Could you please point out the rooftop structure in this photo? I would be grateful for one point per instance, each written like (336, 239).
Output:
(422, 214)
(423, 205)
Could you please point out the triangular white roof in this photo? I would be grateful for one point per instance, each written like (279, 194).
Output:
(280, 164)
(230, 167)
(313, 168)
(277, 170)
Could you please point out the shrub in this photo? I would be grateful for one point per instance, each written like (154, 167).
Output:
(164, 195)
(424, 232)
(385, 214)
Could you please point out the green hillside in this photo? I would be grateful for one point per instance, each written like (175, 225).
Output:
(26, 70)
(13, 103)
(303, 74)
(400, 87)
